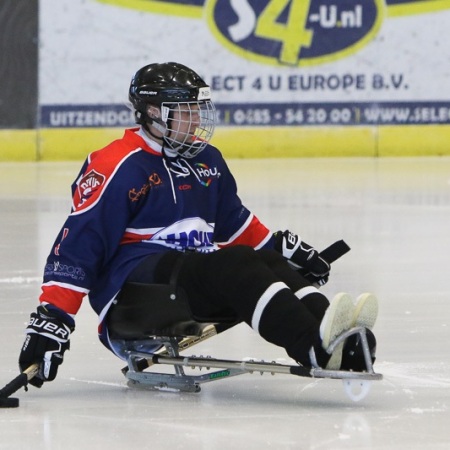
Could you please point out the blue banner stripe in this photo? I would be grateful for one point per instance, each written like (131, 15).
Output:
(264, 114)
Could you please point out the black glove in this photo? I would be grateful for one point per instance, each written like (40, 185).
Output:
(302, 256)
(47, 339)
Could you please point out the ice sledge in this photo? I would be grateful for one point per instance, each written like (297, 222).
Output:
(151, 324)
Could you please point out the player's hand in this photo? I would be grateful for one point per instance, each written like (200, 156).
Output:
(302, 256)
(47, 338)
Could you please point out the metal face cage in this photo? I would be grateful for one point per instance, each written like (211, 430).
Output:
(189, 126)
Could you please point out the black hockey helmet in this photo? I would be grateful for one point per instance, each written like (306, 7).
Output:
(165, 82)
(167, 86)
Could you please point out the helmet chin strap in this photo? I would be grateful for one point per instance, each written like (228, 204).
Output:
(160, 126)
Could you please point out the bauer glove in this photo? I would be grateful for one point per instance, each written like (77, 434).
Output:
(47, 338)
(302, 257)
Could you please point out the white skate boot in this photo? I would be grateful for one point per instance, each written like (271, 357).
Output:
(365, 311)
(337, 319)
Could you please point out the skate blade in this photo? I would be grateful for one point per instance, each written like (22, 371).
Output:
(357, 390)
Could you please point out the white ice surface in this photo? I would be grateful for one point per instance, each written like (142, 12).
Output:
(394, 213)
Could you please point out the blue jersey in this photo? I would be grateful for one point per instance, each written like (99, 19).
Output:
(130, 201)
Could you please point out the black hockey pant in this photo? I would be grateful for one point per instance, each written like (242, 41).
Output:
(256, 285)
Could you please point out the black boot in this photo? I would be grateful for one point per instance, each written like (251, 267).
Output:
(353, 355)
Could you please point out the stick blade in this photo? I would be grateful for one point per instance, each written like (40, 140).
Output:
(9, 402)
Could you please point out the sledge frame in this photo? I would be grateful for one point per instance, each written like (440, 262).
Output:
(169, 355)
(152, 316)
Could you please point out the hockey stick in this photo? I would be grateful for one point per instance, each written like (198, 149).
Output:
(330, 254)
(14, 385)
(335, 251)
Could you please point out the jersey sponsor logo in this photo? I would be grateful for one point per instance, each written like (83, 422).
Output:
(205, 173)
(64, 270)
(88, 185)
(153, 180)
(193, 233)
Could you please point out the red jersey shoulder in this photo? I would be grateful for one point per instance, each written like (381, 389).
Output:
(100, 170)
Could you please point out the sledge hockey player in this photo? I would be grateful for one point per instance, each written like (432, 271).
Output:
(159, 205)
